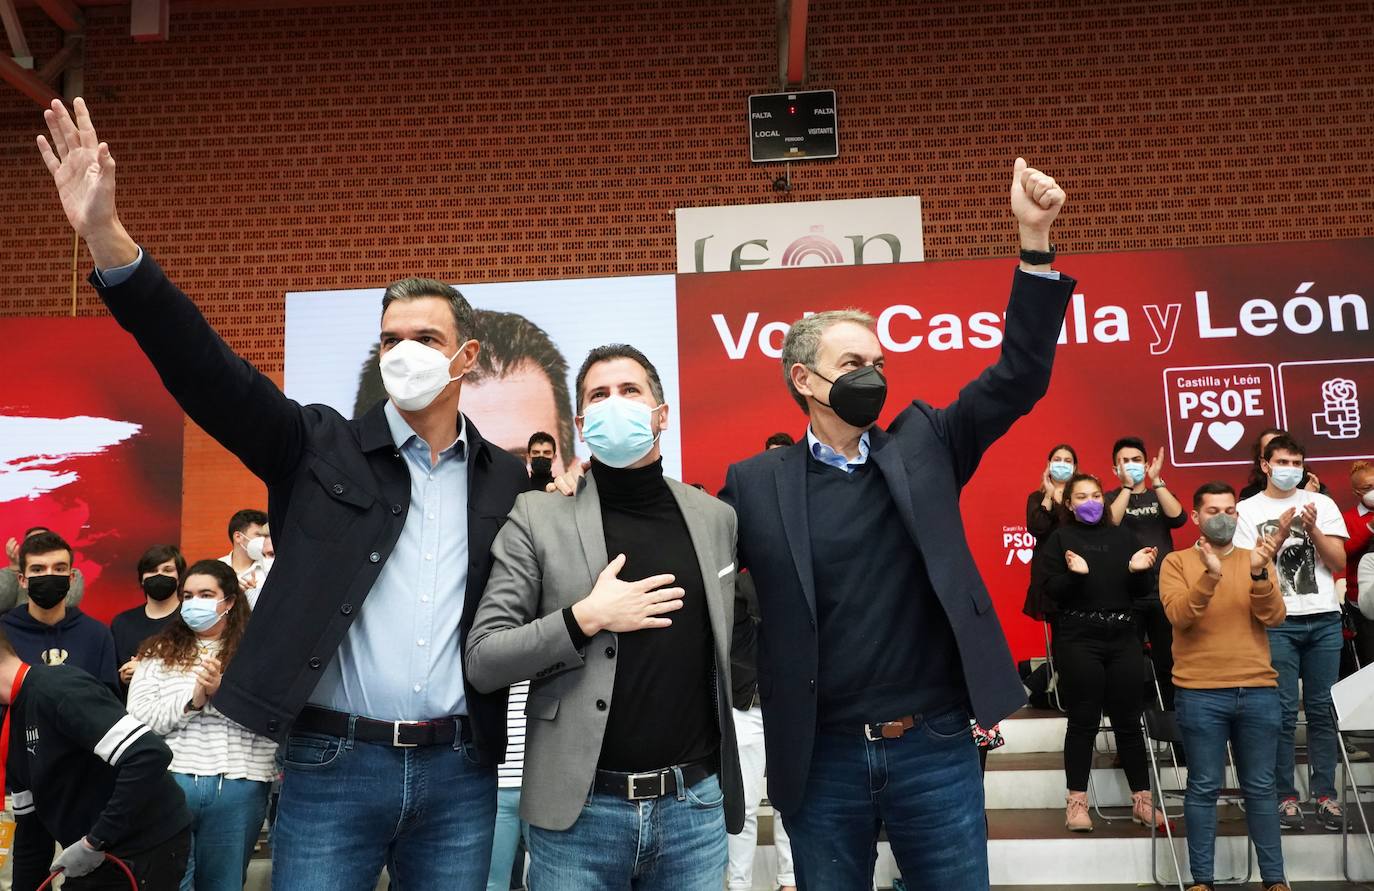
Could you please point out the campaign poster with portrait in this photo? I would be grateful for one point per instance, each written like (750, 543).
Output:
(534, 336)
(90, 448)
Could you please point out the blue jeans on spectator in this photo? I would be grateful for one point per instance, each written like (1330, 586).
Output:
(506, 839)
(348, 808)
(1307, 647)
(1249, 717)
(925, 787)
(673, 843)
(226, 818)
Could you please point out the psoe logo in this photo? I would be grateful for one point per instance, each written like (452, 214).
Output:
(813, 249)
(1019, 544)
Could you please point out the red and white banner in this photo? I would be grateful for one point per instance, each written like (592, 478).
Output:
(1193, 350)
(90, 447)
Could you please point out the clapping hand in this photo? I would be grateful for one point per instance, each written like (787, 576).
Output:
(1154, 467)
(1143, 559)
(1076, 563)
(1264, 551)
(1210, 561)
(1308, 516)
(208, 674)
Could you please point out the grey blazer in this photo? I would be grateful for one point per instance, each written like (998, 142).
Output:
(545, 558)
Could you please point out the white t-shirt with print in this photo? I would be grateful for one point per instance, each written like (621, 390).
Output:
(1308, 586)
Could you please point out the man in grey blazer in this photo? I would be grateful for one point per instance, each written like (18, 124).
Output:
(631, 770)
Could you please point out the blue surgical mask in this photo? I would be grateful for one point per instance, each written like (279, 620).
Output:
(200, 614)
(1285, 478)
(619, 431)
(1135, 471)
(1060, 471)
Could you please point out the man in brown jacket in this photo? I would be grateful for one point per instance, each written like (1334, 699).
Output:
(1220, 599)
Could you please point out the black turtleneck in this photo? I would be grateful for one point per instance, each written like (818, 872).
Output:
(662, 712)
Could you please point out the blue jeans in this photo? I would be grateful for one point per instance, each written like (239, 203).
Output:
(926, 787)
(506, 839)
(348, 808)
(1249, 718)
(1307, 647)
(674, 843)
(226, 817)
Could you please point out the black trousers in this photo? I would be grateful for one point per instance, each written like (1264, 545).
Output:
(156, 869)
(1100, 670)
(1160, 633)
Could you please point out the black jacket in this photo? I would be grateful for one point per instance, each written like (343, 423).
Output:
(79, 765)
(926, 456)
(744, 637)
(337, 496)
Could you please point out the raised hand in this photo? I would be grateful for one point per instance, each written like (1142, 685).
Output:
(1285, 525)
(1313, 484)
(1076, 563)
(621, 606)
(1143, 559)
(83, 170)
(1154, 467)
(1210, 561)
(12, 551)
(1036, 200)
(1047, 484)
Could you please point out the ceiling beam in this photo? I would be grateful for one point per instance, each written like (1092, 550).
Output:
(26, 82)
(14, 30)
(792, 15)
(149, 20)
(64, 13)
(70, 52)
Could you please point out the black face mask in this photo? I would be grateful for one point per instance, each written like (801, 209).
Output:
(541, 467)
(48, 590)
(857, 396)
(159, 587)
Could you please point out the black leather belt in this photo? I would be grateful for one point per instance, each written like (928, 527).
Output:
(652, 783)
(401, 734)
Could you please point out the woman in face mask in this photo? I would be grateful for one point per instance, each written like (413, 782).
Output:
(1045, 512)
(159, 575)
(1095, 574)
(224, 769)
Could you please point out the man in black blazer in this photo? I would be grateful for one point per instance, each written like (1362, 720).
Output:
(878, 640)
(383, 528)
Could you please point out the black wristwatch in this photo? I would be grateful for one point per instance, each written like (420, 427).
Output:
(1261, 576)
(95, 844)
(1038, 258)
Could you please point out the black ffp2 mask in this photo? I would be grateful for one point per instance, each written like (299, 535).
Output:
(857, 396)
(48, 590)
(541, 467)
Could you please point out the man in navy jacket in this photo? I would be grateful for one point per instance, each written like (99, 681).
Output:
(383, 529)
(878, 640)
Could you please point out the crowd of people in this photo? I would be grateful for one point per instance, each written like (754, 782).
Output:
(1254, 617)
(438, 651)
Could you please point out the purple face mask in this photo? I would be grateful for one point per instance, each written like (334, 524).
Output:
(1089, 512)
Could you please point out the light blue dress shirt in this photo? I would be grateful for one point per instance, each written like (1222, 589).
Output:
(826, 455)
(401, 660)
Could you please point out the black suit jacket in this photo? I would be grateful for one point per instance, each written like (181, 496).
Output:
(337, 496)
(925, 456)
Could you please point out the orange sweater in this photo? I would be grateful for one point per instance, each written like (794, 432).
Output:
(1219, 636)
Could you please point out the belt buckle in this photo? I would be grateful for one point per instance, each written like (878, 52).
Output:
(881, 727)
(396, 734)
(868, 732)
(633, 795)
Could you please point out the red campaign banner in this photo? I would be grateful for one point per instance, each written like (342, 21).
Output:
(1193, 350)
(90, 447)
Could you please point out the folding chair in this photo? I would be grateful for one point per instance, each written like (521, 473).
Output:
(1161, 726)
(1348, 783)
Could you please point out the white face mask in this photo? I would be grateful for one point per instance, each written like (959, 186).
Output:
(1368, 499)
(414, 375)
(254, 548)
